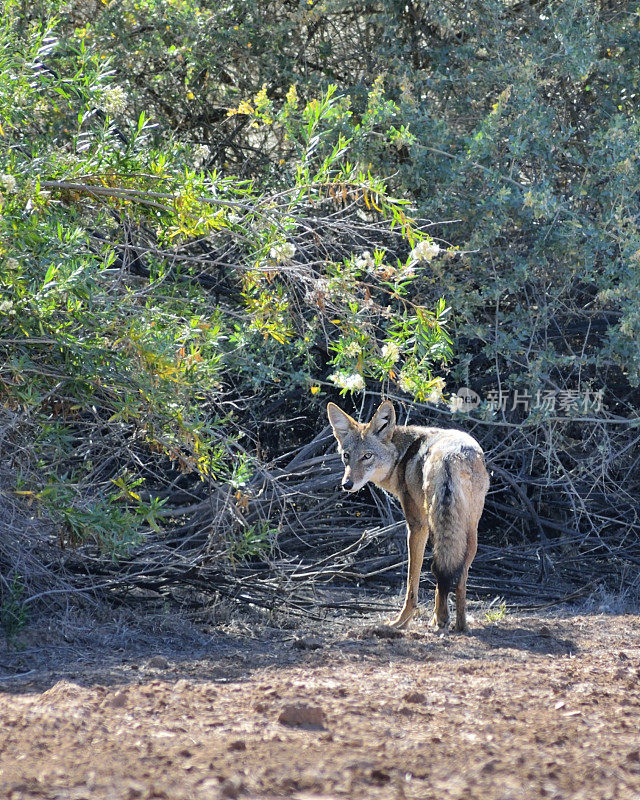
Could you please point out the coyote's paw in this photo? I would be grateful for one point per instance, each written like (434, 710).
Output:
(402, 620)
(438, 624)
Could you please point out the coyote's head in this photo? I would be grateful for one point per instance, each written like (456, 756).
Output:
(366, 448)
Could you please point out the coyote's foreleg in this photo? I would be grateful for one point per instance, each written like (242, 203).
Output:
(417, 535)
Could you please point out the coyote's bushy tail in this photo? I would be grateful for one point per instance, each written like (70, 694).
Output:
(449, 517)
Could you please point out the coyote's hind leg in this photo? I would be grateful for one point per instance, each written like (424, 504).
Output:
(461, 589)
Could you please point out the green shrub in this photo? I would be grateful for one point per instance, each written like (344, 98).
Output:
(531, 156)
(150, 306)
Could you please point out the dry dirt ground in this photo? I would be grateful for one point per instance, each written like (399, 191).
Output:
(528, 706)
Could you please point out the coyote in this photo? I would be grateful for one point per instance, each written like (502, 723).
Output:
(441, 481)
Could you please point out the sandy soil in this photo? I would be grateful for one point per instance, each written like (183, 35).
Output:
(530, 706)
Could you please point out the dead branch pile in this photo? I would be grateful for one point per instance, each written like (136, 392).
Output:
(31, 563)
(542, 541)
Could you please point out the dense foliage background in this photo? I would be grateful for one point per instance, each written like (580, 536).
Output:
(216, 216)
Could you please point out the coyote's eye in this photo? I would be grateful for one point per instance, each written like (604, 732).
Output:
(345, 458)
(367, 456)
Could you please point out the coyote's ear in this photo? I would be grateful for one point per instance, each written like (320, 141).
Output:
(341, 422)
(384, 420)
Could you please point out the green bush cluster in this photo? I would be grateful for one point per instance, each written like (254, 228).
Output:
(514, 122)
(150, 306)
